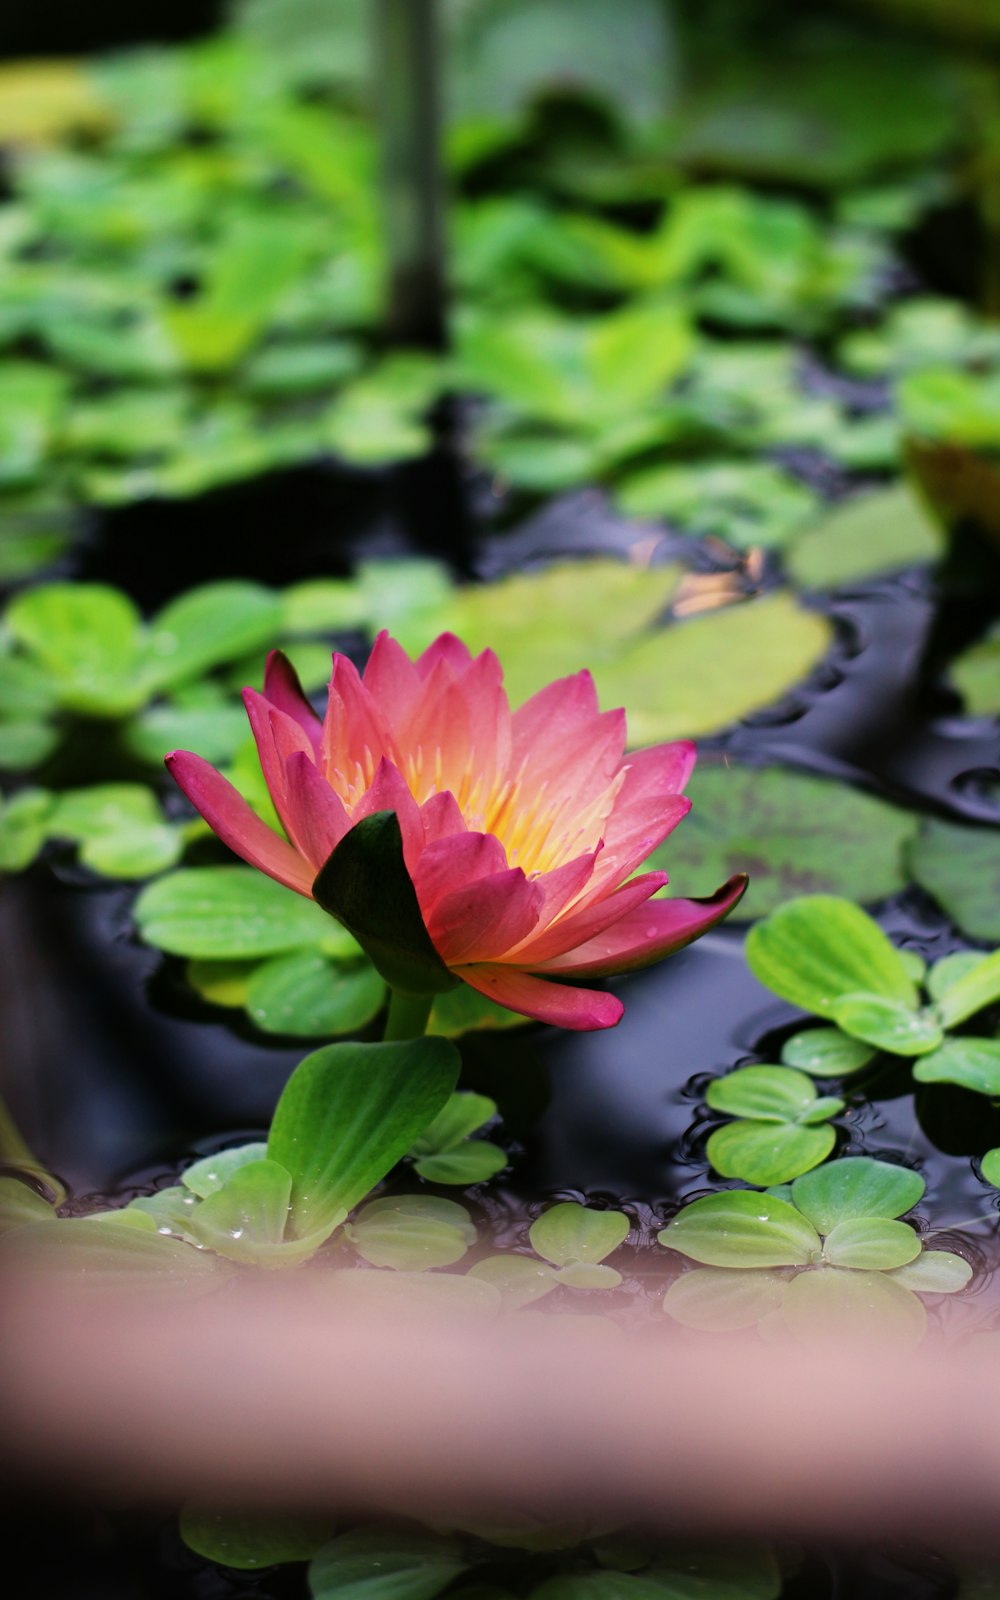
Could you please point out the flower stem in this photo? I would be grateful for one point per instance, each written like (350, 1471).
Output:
(408, 1014)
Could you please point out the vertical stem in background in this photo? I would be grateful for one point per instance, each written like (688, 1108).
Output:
(406, 77)
(408, 1014)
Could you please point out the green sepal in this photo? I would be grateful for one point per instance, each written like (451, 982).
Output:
(365, 885)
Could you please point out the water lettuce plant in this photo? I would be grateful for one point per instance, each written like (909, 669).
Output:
(827, 956)
(458, 841)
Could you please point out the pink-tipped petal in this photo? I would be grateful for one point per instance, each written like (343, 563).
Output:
(646, 934)
(584, 922)
(482, 920)
(285, 692)
(321, 820)
(392, 680)
(237, 825)
(556, 1003)
(355, 734)
(454, 863)
(630, 838)
(446, 647)
(442, 818)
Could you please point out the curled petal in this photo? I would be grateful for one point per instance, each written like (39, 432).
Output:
(590, 918)
(285, 692)
(237, 825)
(632, 832)
(557, 1003)
(647, 933)
(454, 863)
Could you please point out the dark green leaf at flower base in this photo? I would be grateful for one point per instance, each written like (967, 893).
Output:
(365, 885)
(348, 1113)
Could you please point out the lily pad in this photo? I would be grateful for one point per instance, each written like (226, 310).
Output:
(411, 1232)
(776, 824)
(384, 1564)
(836, 1303)
(853, 1187)
(819, 949)
(976, 675)
(305, 995)
(871, 533)
(228, 913)
(971, 1063)
(766, 1153)
(960, 867)
(723, 1299)
(249, 1542)
(738, 1229)
(569, 1232)
(826, 1052)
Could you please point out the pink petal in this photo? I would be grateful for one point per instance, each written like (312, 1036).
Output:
(649, 932)
(320, 818)
(237, 825)
(557, 1003)
(285, 692)
(441, 817)
(389, 792)
(355, 734)
(446, 647)
(583, 923)
(454, 863)
(631, 835)
(561, 727)
(489, 746)
(278, 737)
(559, 888)
(439, 731)
(661, 769)
(482, 920)
(392, 680)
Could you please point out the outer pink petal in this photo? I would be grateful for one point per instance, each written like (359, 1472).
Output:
(560, 738)
(483, 919)
(644, 935)
(455, 863)
(237, 825)
(660, 769)
(285, 692)
(581, 1009)
(320, 818)
(278, 738)
(582, 924)
(481, 684)
(440, 728)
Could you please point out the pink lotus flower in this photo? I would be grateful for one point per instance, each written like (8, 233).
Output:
(520, 831)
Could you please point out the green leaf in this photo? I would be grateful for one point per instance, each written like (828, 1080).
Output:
(207, 1176)
(746, 503)
(976, 675)
(971, 1063)
(723, 1299)
(348, 1113)
(304, 995)
(216, 732)
(949, 969)
(462, 1115)
(977, 985)
(245, 1220)
(719, 666)
(226, 913)
(26, 744)
(293, 369)
(588, 1275)
(570, 1232)
(739, 1229)
(365, 885)
(766, 1153)
(776, 824)
(120, 829)
(383, 1564)
(768, 1094)
(464, 1010)
(520, 1279)
(814, 950)
(24, 826)
(870, 533)
(960, 867)
(887, 1024)
(412, 1232)
(835, 1304)
(875, 1244)
(474, 1162)
(251, 1540)
(935, 1272)
(87, 637)
(855, 1186)
(213, 623)
(826, 1052)
(324, 605)
(20, 1205)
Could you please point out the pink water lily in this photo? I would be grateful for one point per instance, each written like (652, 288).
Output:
(520, 831)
